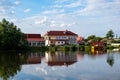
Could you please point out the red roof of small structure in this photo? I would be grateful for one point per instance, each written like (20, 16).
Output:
(33, 35)
(35, 39)
(54, 33)
(98, 43)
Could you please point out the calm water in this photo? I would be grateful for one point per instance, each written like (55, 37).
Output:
(60, 65)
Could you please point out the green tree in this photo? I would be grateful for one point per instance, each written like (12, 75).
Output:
(11, 38)
(110, 34)
(93, 38)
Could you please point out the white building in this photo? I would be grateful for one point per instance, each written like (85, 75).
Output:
(60, 38)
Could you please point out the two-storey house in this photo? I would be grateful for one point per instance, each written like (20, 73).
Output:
(60, 38)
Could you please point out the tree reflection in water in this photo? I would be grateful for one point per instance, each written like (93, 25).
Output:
(110, 58)
(10, 63)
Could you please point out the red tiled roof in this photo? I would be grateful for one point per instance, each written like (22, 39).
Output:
(98, 43)
(60, 33)
(35, 39)
(79, 39)
(33, 35)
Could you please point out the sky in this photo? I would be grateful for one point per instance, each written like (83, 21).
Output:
(84, 17)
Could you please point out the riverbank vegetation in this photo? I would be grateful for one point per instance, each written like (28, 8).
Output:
(11, 37)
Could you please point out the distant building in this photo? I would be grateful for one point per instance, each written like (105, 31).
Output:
(115, 44)
(60, 38)
(35, 39)
(98, 45)
(80, 40)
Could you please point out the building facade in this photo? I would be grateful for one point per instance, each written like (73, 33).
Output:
(35, 40)
(60, 38)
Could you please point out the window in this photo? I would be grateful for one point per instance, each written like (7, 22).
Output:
(30, 44)
(38, 44)
(51, 42)
(34, 44)
(49, 37)
(57, 37)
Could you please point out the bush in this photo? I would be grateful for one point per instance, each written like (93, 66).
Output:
(81, 48)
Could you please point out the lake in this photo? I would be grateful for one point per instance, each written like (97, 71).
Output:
(60, 65)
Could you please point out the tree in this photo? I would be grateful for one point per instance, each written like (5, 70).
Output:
(110, 34)
(11, 37)
(93, 38)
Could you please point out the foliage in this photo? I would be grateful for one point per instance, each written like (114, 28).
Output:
(116, 41)
(109, 47)
(81, 47)
(93, 38)
(110, 34)
(11, 38)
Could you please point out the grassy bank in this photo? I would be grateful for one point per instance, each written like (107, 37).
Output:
(86, 48)
(58, 48)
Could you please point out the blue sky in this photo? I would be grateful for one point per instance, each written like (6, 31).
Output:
(84, 17)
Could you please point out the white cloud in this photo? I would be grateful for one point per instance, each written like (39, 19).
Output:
(54, 11)
(27, 10)
(7, 9)
(61, 1)
(12, 12)
(42, 21)
(17, 2)
(67, 24)
(57, 6)
(62, 25)
(53, 24)
(99, 8)
(72, 5)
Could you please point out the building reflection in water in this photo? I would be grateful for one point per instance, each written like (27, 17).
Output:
(97, 52)
(34, 58)
(60, 58)
(80, 55)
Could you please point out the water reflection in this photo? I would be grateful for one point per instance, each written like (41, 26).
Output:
(34, 58)
(60, 58)
(97, 52)
(110, 58)
(10, 64)
(80, 55)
